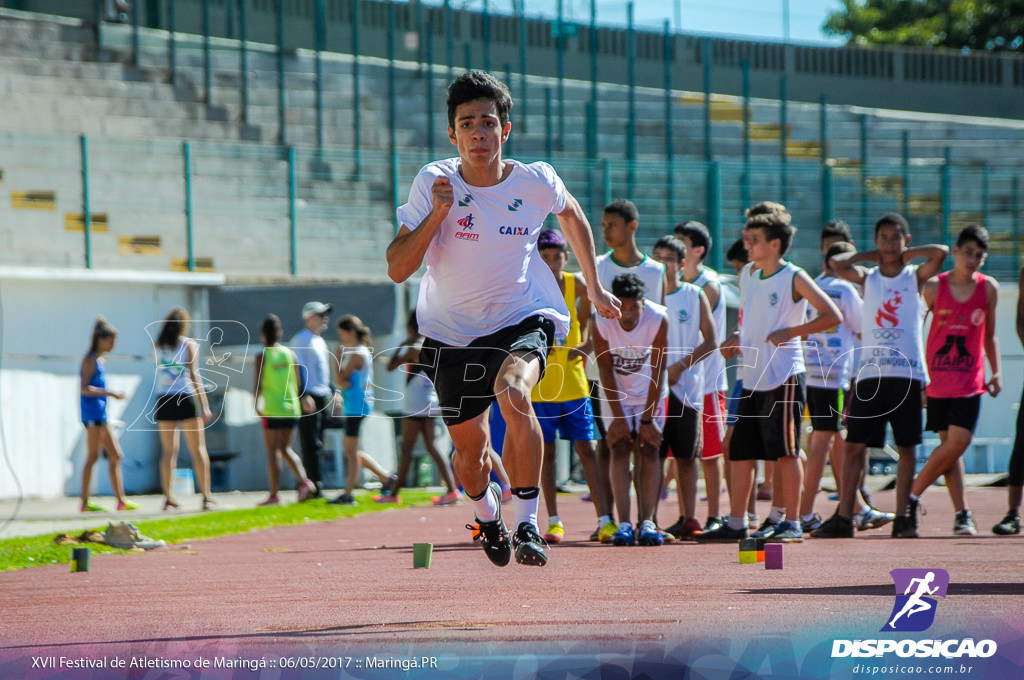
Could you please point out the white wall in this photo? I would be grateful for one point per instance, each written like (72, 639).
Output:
(46, 320)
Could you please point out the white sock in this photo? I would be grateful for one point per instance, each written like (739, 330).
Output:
(751, 518)
(625, 525)
(808, 517)
(604, 519)
(737, 523)
(486, 507)
(913, 497)
(777, 514)
(525, 510)
(554, 519)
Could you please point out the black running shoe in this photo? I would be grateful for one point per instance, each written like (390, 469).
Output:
(494, 536)
(529, 546)
(905, 526)
(723, 534)
(835, 526)
(1008, 525)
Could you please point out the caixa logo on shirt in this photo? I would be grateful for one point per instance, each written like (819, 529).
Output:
(514, 231)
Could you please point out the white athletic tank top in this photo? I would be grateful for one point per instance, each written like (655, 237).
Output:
(683, 309)
(829, 354)
(892, 339)
(768, 305)
(631, 353)
(652, 273)
(172, 375)
(714, 365)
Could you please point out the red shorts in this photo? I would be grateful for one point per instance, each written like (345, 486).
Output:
(713, 418)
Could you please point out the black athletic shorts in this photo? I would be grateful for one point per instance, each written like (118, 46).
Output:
(464, 376)
(682, 435)
(352, 425)
(959, 411)
(279, 423)
(768, 423)
(176, 407)
(876, 402)
(825, 406)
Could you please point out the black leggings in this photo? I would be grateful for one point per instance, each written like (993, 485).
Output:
(1017, 457)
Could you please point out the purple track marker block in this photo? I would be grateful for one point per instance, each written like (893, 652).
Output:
(773, 556)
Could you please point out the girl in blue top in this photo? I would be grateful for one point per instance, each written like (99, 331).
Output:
(98, 435)
(355, 378)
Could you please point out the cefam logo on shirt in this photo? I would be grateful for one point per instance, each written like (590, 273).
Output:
(467, 225)
(914, 611)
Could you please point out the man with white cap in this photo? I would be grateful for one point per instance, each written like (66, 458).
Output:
(315, 392)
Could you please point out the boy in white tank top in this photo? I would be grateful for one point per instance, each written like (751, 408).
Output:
(773, 300)
(891, 374)
(630, 356)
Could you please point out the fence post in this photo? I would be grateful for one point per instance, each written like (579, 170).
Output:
(171, 47)
(467, 51)
(319, 29)
(190, 252)
(670, 180)
(97, 8)
(207, 78)
(293, 241)
(487, 37)
(429, 86)
(549, 132)
(135, 34)
(243, 59)
(357, 149)
(560, 55)
(864, 230)
(946, 198)
(449, 39)
(592, 124)
(1015, 199)
(714, 210)
(827, 193)
(984, 194)
(509, 145)
(282, 121)
(905, 203)
(521, 22)
(392, 107)
(784, 139)
(745, 184)
(606, 180)
(86, 206)
(706, 57)
(631, 120)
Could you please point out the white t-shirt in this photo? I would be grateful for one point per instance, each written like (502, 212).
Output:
(483, 271)
(892, 340)
(683, 309)
(630, 353)
(651, 272)
(829, 355)
(768, 306)
(714, 365)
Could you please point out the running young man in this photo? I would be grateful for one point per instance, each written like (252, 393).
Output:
(892, 347)
(488, 305)
(963, 306)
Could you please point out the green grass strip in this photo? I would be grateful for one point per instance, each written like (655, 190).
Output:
(37, 551)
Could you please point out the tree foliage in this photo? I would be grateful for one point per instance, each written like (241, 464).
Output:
(969, 24)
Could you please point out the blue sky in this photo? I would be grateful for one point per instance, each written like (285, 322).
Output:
(749, 18)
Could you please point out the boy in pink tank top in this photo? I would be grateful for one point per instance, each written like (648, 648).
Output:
(963, 307)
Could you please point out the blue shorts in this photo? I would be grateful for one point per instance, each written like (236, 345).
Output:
(572, 419)
(732, 403)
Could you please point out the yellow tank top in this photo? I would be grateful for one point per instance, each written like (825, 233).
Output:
(564, 379)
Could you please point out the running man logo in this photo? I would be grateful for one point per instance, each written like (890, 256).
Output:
(516, 204)
(887, 313)
(466, 222)
(915, 605)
